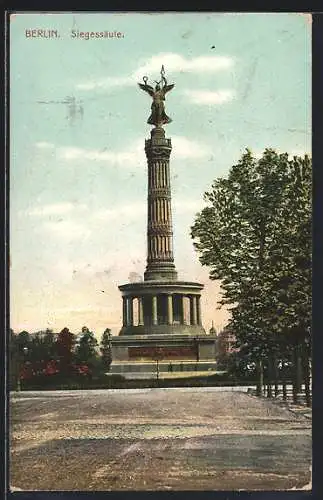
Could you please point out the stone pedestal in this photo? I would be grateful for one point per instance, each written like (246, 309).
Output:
(165, 347)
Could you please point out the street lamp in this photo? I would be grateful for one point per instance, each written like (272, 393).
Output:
(158, 357)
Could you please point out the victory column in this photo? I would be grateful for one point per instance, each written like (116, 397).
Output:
(168, 311)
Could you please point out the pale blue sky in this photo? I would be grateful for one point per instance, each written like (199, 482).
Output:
(78, 187)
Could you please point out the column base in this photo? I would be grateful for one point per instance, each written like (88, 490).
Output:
(160, 271)
(190, 330)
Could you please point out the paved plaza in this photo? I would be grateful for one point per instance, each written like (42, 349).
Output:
(156, 439)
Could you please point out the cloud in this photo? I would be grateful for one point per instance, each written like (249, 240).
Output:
(174, 63)
(209, 97)
(68, 230)
(138, 209)
(187, 206)
(55, 209)
(183, 148)
(44, 145)
(105, 83)
(76, 310)
(100, 268)
(133, 155)
(129, 212)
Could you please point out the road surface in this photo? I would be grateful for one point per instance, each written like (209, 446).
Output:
(156, 439)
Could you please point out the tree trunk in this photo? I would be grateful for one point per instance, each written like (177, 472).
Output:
(18, 374)
(260, 378)
(295, 381)
(298, 362)
(269, 378)
(297, 371)
(275, 372)
(307, 379)
(284, 388)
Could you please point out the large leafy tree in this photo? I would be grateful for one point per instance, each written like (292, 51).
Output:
(86, 351)
(254, 235)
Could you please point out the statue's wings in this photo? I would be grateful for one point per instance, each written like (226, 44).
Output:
(147, 88)
(167, 88)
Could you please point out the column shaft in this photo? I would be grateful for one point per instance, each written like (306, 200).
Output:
(124, 311)
(160, 261)
(193, 312)
(154, 310)
(170, 309)
(183, 310)
(130, 311)
(198, 310)
(140, 312)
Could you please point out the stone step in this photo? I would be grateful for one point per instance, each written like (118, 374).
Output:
(163, 366)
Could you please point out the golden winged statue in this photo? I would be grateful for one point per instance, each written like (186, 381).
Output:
(158, 116)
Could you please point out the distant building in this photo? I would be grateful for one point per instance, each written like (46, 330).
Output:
(226, 343)
(41, 334)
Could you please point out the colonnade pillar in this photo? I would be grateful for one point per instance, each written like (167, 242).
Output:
(183, 310)
(170, 309)
(193, 311)
(129, 311)
(154, 309)
(124, 311)
(140, 312)
(198, 309)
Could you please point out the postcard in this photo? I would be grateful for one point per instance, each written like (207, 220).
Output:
(160, 251)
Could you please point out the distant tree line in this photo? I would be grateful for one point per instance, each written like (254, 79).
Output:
(45, 354)
(255, 237)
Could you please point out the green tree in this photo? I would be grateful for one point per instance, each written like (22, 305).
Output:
(20, 348)
(86, 351)
(49, 342)
(105, 348)
(43, 347)
(13, 360)
(64, 345)
(291, 266)
(23, 339)
(254, 235)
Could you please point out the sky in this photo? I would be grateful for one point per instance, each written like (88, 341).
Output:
(78, 180)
